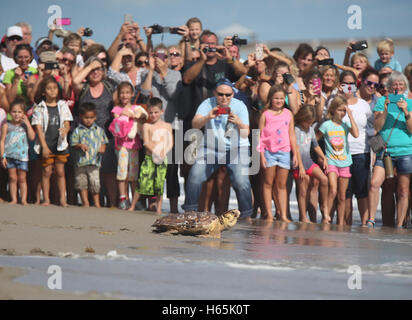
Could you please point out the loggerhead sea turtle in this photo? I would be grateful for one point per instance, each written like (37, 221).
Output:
(197, 223)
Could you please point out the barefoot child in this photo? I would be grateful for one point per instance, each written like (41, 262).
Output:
(335, 134)
(307, 170)
(51, 121)
(14, 149)
(89, 143)
(125, 129)
(277, 140)
(158, 141)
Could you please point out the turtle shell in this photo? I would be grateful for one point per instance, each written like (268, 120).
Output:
(187, 223)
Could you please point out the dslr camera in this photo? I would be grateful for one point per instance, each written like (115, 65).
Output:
(88, 32)
(156, 29)
(237, 41)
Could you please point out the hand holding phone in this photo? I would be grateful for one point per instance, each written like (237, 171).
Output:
(223, 110)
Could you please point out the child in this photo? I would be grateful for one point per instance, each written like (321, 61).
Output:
(335, 134)
(158, 141)
(277, 139)
(127, 142)
(386, 50)
(191, 38)
(74, 41)
(14, 149)
(89, 143)
(306, 139)
(3, 172)
(51, 121)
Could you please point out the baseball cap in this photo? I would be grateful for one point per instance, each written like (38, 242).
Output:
(14, 31)
(42, 40)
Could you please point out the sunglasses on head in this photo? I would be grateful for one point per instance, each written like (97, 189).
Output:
(221, 94)
(372, 84)
(174, 54)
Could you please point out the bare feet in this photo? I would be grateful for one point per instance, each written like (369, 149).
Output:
(13, 202)
(24, 203)
(45, 203)
(284, 219)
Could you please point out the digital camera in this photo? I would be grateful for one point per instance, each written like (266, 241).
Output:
(237, 41)
(88, 32)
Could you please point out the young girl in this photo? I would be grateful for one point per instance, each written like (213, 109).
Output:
(277, 140)
(14, 149)
(191, 38)
(306, 139)
(51, 121)
(335, 134)
(127, 142)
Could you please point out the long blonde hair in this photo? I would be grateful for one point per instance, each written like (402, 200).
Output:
(336, 103)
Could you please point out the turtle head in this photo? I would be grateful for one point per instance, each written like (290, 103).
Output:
(230, 218)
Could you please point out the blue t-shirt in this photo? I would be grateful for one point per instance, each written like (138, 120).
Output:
(393, 64)
(336, 143)
(220, 135)
(400, 142)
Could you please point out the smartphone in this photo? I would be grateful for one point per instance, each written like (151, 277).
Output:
(223, 110)
(360, 45)
(51, 66)
(128, 18)
(259, 51)
(161, 54)
(326, 62)
(63, 21)
(288, 78)
(317, 85)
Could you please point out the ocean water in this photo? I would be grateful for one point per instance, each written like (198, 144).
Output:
(251, 261)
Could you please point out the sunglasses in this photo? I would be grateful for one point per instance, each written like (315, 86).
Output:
(15, 38)
(174, 54)
(372, 84)
(98, 69)
(67, 60)
(221, 94)
(348, 82)
(139, 63)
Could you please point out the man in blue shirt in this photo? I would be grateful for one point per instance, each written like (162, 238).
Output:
(225, 142)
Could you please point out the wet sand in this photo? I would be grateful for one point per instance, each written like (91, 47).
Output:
(109, 253)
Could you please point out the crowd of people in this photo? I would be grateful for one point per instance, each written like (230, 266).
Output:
(85, 125)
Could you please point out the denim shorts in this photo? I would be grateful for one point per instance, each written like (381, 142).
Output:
(359, 182)
(403, 164)
(17, 164)
(279, 158)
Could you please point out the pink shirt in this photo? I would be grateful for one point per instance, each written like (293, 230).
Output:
(275, 135)
(120, 128)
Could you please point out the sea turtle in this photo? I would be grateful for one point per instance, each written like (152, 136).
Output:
(197, 223)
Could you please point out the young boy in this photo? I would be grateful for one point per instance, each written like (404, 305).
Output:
(74, 41)
(158, 141)
(386, 50)
(88, 143)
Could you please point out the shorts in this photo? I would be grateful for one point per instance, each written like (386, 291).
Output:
(308, 172)
(87, 178)
(109, 159)
(62, 158)
(341, 172)
(152, 177)
(359, 182)
(279, 158)
(403, 164)
(17, 164)
(127, 164)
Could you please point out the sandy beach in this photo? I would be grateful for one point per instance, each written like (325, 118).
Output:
(66, 232)
(113, 254)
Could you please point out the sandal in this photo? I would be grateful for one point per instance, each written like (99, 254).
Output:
(370, 223)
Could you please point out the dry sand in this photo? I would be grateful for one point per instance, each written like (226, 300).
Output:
(55, 231)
